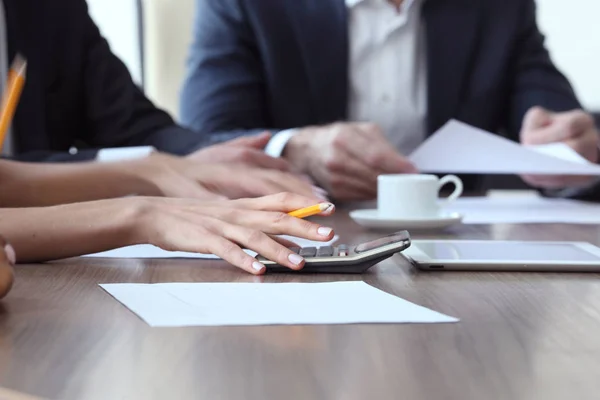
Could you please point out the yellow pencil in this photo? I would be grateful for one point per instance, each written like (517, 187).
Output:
(12, 94)
(312, 210)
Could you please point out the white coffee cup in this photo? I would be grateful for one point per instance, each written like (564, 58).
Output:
(413, 196)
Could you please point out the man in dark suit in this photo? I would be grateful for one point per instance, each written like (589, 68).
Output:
(79, 103)
(349, 86)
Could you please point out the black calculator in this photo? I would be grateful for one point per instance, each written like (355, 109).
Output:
(345, 259)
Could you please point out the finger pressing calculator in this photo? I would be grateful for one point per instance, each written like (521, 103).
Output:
(345, 259)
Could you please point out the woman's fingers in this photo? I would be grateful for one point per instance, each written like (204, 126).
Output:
(278, 223)
(7, 261)
(284, 242)
(233, 254)
(284, 202)
(263, 244)
(294, 184)
(7, 252)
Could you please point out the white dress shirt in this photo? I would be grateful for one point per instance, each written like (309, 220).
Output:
(388, 72)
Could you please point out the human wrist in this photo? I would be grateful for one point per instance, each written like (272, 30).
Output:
(298, 148)
(137, 216)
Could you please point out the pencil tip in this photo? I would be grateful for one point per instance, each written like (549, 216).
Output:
(20, 64)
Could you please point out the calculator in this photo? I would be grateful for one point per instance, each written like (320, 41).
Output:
(345, 259)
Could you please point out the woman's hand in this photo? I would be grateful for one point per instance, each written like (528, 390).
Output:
(7, 261)
(172, 176)
(225, 227)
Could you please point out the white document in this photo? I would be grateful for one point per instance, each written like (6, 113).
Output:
(150, 251)
(460, 148)
(224, 304)
(523, 210)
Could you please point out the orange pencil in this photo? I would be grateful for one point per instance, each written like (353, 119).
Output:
(312, 210)
(12, 94)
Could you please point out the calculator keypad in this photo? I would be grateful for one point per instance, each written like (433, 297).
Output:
(308, 252)
(326, 251)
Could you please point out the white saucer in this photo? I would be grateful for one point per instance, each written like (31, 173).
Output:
(371, 219)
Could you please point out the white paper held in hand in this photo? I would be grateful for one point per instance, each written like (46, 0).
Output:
(149, 251)
(460, 148)
(237, 304)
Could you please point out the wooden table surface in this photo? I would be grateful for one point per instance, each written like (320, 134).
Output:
(521, 335)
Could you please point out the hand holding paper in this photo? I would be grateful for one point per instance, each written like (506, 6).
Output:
(460, 148)
(574, 130)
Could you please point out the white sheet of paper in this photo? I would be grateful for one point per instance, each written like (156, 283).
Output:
(460, 148)
(524, 209)
(149, 251)
(560, 150)
(225, 304)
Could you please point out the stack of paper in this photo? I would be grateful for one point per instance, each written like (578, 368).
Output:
(222, 304)
(460, 148)
(524, 209)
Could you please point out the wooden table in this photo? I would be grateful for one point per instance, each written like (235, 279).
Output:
(521, 335)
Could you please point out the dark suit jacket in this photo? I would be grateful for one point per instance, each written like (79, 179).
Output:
(272, 64)
(77, 92)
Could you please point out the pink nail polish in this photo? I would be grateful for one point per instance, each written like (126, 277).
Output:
(10, 254)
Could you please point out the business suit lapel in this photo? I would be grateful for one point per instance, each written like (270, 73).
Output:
(321, 28)
(452, 27)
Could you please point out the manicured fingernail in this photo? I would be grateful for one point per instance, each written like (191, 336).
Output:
(10, 254)
(324, 231)
(258, 266)
(331, 208)
(295, 259)
(317, 189)
(320, 196)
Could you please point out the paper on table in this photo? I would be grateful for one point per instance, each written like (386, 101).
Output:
(223, 304)
(460, 148)
(521, 210)
(149, 251)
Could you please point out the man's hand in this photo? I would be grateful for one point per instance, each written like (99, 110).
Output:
(244, 150)
(346, 158)
(172, 176)
(575, 128)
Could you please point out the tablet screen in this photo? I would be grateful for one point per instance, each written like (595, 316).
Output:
(505, 251)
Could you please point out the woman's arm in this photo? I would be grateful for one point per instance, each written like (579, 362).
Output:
(223, 228)
(49, 233)
(38, 185)
(30, 185)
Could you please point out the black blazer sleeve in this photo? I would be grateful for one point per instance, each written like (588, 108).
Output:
(113, 111)
(536, 82)
(118, 113)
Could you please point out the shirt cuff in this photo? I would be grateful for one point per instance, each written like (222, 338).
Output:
(124, 153)
(278, 142)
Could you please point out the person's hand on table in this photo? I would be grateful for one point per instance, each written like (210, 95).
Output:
(575, 128)
(346, 158)
(226, 227)
(182, 177)
(7, 261)
(245, 150)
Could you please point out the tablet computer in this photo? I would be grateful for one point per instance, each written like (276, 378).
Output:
(486, 255)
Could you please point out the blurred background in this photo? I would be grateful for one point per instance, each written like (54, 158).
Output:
(152, 37)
